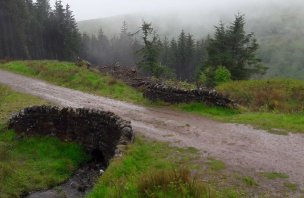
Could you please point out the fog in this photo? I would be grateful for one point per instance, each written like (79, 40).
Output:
(277, 24)
(91, 9)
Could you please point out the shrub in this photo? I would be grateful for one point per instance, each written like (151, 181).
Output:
(202, 79)
(222, 75)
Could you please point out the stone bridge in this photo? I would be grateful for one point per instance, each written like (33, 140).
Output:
(100, 132)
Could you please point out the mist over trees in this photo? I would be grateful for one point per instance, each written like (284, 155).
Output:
(182, 58)
(101, 50)
(35, 31)
(278, 27)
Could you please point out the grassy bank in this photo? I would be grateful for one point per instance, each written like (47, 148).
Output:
(268, 104)
(31, 163)
(69, 75)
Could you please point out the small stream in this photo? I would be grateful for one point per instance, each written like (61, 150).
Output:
(77, 186)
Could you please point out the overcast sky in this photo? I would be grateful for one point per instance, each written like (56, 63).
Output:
(90, 9)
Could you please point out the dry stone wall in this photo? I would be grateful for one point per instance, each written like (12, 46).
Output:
(156, 92)
(100, 132)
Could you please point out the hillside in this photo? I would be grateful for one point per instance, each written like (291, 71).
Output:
(278, 28)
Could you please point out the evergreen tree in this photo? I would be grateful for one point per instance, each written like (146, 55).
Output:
(233, 48)
(190, 66)
(165, 52)
(71, 35)
(181, 56)
(173, 55)
(150, 52)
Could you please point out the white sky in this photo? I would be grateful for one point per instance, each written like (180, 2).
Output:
(90, 9)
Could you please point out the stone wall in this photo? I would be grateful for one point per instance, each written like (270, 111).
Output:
(156, 92)
(100, 132)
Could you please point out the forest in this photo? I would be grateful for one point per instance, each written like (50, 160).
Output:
(35, 31)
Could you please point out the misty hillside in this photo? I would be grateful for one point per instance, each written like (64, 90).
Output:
(279, 30)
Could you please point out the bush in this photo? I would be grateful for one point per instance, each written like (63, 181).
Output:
(202, 79)
(222, 75)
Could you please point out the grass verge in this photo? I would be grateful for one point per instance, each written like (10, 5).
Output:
(279, 123)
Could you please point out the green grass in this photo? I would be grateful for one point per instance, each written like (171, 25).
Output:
(216, 165)
(35, 163)
(154, 169)
(249, 181)
(275, 175)
(282, 122)
(69, 75)
(291, 186)
(11, 102)
(149, 169)
(31, 163)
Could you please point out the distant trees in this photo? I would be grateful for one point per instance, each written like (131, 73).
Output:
(34, 31)
(101, 50)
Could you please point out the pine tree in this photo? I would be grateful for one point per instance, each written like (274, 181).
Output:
(190, 66)
(71, 35)
(165, 52)
(173, 55)
(233, 48)
(181, 56)
(150, 52)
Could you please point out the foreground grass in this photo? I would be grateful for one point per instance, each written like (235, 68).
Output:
(154, 169)
(275, 105)
(69, 75)
(31, 163)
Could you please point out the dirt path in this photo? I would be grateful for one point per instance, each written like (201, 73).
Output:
(237, 145)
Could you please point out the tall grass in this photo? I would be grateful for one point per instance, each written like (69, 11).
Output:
(279, 95)
(172, 183)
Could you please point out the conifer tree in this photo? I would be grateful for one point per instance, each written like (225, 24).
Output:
(234, 49)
